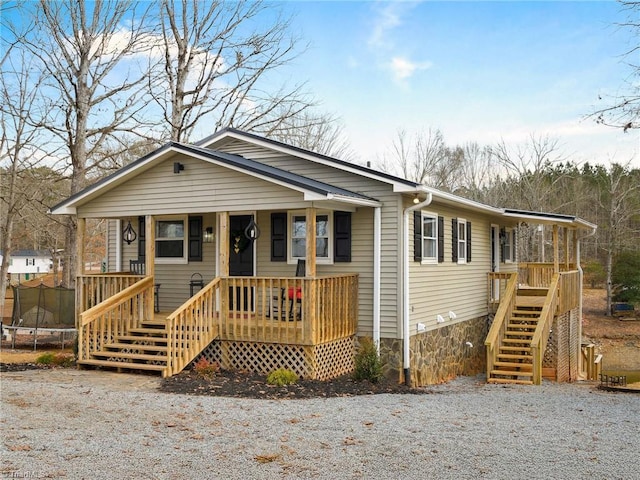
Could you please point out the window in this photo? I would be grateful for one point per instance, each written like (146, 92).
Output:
(429, 238)
(298, 238)
(462, 241)
(170, 241)
(31, 262)
(509, 246)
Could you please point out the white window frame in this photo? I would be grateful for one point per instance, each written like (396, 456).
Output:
(319, 260)
(509, 248)
(428, 260)
(462, 242)
(185, 240)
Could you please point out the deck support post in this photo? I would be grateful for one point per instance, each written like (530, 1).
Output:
(556, 250)
(81, 225)
(150, 256)
(223, 244)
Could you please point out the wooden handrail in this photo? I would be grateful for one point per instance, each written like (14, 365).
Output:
(114, 316)
(541, 334)
(496, 332)
(192, 326)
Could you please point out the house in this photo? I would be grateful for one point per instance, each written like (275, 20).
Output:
(300, 254)
(26, 264)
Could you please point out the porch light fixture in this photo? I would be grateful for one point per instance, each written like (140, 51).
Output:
(252, 232)
(416, 200)
(177, 167)
(208, 235)
(129, 234)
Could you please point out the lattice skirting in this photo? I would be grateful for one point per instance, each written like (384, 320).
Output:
(320, 362)
(563, 346)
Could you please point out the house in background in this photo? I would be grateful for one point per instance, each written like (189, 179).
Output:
(29, 264)
(299, 254)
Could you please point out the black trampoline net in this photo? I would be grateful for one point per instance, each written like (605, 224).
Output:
(43, 307)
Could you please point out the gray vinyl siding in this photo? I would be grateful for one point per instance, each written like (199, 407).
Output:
(436, 289)
(362, 246)
(111, 249)
(201, 186)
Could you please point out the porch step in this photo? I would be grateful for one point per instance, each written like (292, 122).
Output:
(512, 373)
(147, 331)
(525, 366)
(510, 356)
(510, 380)
(138, 338)
(526, 326)
(518, 333)
(529, 302)
(132, 356)
(157, 324)
(508, 348)
(137, 346)
(122, 365)
(527, 313)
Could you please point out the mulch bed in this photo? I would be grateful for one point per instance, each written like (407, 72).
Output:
(251, 385)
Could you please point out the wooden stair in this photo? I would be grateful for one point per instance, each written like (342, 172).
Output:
(143, 349)
(514, 360)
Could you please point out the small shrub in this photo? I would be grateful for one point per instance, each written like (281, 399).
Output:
(205, 368)
(367, 362)
(75, 347)
(282, 377)
(55, 359)
(45, 358)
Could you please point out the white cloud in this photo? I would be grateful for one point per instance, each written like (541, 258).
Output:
(387, 19)
(403, 68)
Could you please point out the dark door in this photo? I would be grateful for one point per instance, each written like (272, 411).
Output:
(240, 259)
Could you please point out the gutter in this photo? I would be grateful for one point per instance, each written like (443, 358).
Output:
(405, 287)
(581, 280)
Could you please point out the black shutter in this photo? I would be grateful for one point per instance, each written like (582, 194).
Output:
(454, 240)
(417, 236)
(279, 237)
(141, 238)
(440, 239)
(468, 241)
(501, 239)
(195, 239)
(341, 236)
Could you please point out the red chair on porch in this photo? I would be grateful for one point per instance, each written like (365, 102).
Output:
(294, 294)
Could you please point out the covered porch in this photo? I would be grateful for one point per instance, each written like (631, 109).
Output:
(306, 323)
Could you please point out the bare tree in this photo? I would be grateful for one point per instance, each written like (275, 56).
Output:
(320, 133)
(425, 158)
(18, 149)
(623, 110)
(83, 48)
(215, 62)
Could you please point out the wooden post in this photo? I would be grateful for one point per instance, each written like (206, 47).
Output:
(309, 298)
(223, 237)
(150, 256)
(80, 286)
(556, 250)
(567, 253)
(576, 260)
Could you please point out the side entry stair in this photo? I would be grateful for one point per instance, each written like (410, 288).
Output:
(514, 362)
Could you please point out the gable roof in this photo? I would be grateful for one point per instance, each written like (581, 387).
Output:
(312, 189)
(400, 185)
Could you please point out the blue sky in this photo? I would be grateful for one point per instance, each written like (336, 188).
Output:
(478, 71)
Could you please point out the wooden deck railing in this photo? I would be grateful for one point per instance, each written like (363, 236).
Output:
(569, 291)
(94, 289)
(298, 311)
(591, 364)
(539, 274)
(497, 284)
(192, 327)
(494, 338)
(113, 316)
(541, 334)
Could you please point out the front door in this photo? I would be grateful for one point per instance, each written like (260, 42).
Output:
(241, 259)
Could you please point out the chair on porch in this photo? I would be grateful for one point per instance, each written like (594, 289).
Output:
(137, 267)
(294, 294)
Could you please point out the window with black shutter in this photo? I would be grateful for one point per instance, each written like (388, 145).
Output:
(279, 237)
(342, 236)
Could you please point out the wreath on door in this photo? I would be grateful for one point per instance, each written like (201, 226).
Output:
(239, 242)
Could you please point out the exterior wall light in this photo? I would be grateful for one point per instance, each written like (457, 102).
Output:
(129, 234)
(252, 232)
(208, 235)
(177, 167)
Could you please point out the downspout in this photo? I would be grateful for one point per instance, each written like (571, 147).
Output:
(405, 287)
(580, 280)
(377, 235)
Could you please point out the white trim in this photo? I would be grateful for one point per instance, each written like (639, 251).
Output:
(328, 260)
(118, 246)
(462, 260)
(377, 260)
(429, 260)
(185, 241)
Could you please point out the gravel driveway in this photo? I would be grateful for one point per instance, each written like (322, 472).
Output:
(96, 425)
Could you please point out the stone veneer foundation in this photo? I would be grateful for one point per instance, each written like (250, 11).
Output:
(439, 355)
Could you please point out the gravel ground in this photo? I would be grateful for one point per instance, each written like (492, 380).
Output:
(96, 425)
